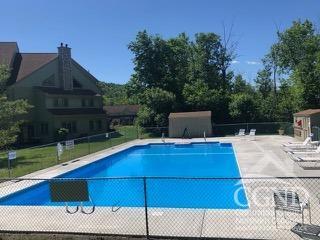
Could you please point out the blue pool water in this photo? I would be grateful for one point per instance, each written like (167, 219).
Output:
(170, 170)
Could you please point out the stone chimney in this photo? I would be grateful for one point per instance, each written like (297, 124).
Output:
(65, 72)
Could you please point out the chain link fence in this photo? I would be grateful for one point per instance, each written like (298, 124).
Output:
(153, 132)
(261, 128)
(29, 160)
(32, 159)
(236, 208)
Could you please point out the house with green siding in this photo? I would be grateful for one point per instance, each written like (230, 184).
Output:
(63, 94)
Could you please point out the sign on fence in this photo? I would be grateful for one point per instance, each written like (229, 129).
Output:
(59, 150)
(12, 155)
(69, 144)
(107, 135)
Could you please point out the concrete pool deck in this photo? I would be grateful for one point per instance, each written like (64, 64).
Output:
(260, 158)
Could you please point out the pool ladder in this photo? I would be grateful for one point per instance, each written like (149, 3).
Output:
(163, 138)
(204, 136)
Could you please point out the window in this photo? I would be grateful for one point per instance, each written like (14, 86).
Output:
(61, 102)
(99, 124)
(76, 83)
(91, 125)
(65, 102)
(74, 127)
(56, 102)
(83, 102)
(44, 128)
(91, 103)
(71, 126)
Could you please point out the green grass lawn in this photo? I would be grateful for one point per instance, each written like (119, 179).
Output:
(32, 159)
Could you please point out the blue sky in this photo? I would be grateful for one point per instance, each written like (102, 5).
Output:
(99, 30)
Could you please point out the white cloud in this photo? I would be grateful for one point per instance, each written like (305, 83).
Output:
(235, 62)
(253, 62)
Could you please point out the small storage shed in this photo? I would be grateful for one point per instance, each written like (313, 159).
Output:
(304, 121)
(192, 124)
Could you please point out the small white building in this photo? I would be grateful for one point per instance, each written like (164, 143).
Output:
(304, 121)
(190, 124)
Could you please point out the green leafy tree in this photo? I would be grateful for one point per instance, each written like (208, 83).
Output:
(243, 107)
(239, 85)
(263, 82)
(298, 50)
(11, 112)
(198, 95)
(174, 66)
(157, 104)
(113, 94)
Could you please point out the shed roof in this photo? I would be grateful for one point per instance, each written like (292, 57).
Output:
(307, 112)
(190, 114)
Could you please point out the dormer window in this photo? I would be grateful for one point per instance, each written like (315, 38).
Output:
(76, 84)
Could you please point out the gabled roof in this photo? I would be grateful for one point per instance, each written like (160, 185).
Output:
(31, 62)
(8, 51)
(121, 110)
(307, 112)
(190, 114)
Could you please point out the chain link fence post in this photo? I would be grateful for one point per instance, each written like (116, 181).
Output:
(146, 205)
(88, 140)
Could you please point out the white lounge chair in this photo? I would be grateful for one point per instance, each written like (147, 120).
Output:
(307, 150)
(304, 147)
(310, 157)
(242, 132)
(306, 156)
(252, 134)
(297, 144)
(306, 161)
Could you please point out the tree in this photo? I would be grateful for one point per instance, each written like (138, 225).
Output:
(194, 72)
(210, 61)
(113, 93)
(157, 104)
(198, 95)
(239, 85)
(243, 107)
(298, 50)
(264, 82)
(11, 112)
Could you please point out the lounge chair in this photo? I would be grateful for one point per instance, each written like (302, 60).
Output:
(310, 147)
(304, 151)
(297, 144)
(252, 134)
(288, 201)
(297, 157)
(242, 132)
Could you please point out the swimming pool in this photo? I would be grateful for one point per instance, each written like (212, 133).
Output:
(176, 176)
